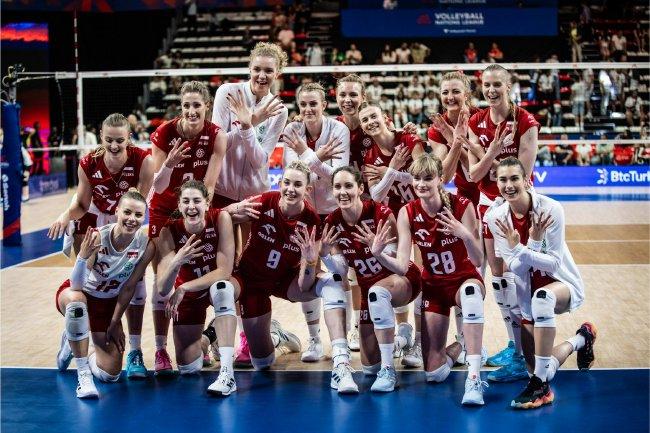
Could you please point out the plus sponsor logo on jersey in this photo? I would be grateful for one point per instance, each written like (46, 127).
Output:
(199, 163)
(448, 241)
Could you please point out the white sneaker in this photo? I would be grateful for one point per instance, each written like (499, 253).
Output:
(284, 340)
(484, 356)
(386, 380)
(474, 391)
(224, 385)
(342, 379)
(353, 339)
(86, 385)
(413, 356)
(64, 357)
(314, 352)
(403, 339)
(461, 358)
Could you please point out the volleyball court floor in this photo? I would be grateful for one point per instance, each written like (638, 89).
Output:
(609, 236)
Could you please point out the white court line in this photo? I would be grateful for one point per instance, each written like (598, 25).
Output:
(608, 240)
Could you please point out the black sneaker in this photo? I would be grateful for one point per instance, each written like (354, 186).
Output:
(536, 394)
(586, 354)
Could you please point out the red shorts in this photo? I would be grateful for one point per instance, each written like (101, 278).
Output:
(100, 310)
(440, 296)
(413, 275)
(220, 202)
(482, 209)
(157, 220)
(255, 296)
(88, 221)
(191, 310)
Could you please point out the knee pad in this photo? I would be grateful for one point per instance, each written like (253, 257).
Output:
(191, 368)
(99, 373)
(417, 305)
(438, 375)
(311, 310)
(371, 370)
(505, 291)
(402, 309)
(471, 302)
(543, 307)
(77, 326)
(222, 294)
(263, 363)
(330, 289)
(140, 295)
(158, 301)
(381, 310)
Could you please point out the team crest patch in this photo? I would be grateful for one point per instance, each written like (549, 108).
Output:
(208, 248)
(200, 153)
(124, 185)
(367, 142)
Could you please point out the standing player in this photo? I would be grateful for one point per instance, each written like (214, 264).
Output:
(346, 240)
(323, 144)
(105, 175)
(111, 260)
(188, 147)
(197, 253)
(529, 234)
(499, 131)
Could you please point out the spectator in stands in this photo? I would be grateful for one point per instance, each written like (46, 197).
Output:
(555, 75)
(544, 156)
(141, 133)
(643, 150)
(415, 86)
(564, 152)
(495, 54)
(400, 102)
(374, 91)
(177, 60)
(604, 153)
(192, 11)
(171, 111)
(295, 57)
(164, 61)
(415, 107)
(578, 95)
(624, 154)
(54, 138)
(633, 108)
(603, 45)
(403, 54)
(400, 118)
(583, 153)
(157, 90)
(470, 55)
(575, 39)
(247, 39)
(387, 105)
(90, 137)
(605, 90)
(388, 56)
(353, 56)
(419, 53)
(431, 104)
(588, 78)
(34, 142)
(337, 57)
(545, 86)
(515, 90)
(641, 37)
(557, 113)
(278, 20)
(619, 46)
(314, 55)
(285, 37)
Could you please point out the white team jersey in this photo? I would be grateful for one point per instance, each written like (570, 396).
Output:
(112, 268)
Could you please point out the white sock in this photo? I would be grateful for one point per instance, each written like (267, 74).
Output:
(226, 355)
(314, 330)
(344, 356)
(473, 365)
(577, 341)
(386, 354)
(161, 342)
(82, 363)
(135, 342)
(542, 365)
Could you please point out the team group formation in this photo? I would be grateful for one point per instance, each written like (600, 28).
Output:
(360, 228)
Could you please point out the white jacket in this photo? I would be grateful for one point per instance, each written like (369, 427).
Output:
(321, 177)
(245, 168)
(550, 255)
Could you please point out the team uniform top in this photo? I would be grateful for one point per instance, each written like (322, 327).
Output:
(461, 180)
(269, 252)
(445, 256)
(482, 126)
(194, 167)
(400, 193)
(108, 188)
(112, 268)
(360, 143)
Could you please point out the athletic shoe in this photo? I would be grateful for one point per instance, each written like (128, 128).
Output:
(314, 352)
(342, 379)
(461, 358)
(386, 380)
(224, 385)
(536, 394)
(474, 391)
(502, 358)
(135, 368)
(353, 339)
(86, 385)
(586, 354)
(163, 364)
(64, 357)
(403, 339)
(413, 356)
(516, 370)
(284, 340)
(243, 354)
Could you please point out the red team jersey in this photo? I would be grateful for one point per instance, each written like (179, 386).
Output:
(482, 126)
(194, 167)
(107, 188)
(400, 193)
(360, 143)
(624, 154)
(465, 187)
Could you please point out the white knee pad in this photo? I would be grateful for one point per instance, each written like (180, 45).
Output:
(402, 309)
(438, 375)
(222, 294)
(99, 373)
(330, 289)
(505, 291)
(381, 310)
(543, 307)
(158, 301)
(77, 326)
(191, 368)
(417, 305)
(263, 363)
(371, 370)
(471, 302)
(311, 310)
(140, 295)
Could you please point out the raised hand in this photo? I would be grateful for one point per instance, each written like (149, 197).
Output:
(178, 152)
(400, 157)
(511, 235)
(245, 208)
(439, 123)
(191, 250)
(539, 225)
(449, 225)
(295, 142)
(461, 126)
(238, 107)
(410, 128)
(331, 150)
(376, 241)
(91, 243)
(271, 108)
(374, 172)
(59, 227)
(306, 241)
(329, 239)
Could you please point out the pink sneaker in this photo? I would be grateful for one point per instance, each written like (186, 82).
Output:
(163, 365)
(243, 354)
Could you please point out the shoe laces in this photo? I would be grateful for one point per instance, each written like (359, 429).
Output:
(85, 378)
(313, 342)
(162, 357)
(137, 358)
(478, 384)
(224, 376)
(354, 334)
(343, 368)
(386, 373)
(415, 350)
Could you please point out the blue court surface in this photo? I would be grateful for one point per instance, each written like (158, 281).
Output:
(43, 400)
